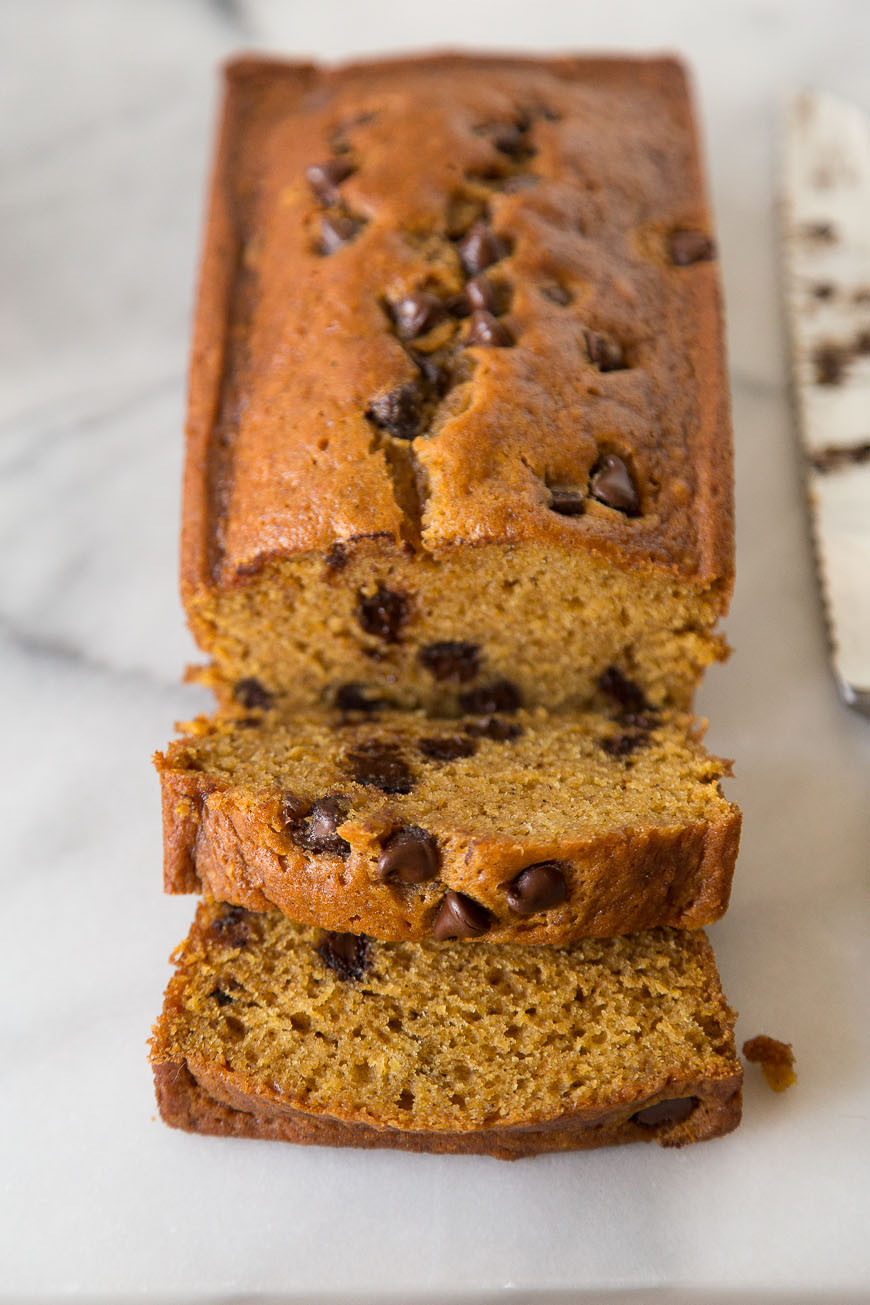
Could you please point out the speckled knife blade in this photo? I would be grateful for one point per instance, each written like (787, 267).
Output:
(826, 251)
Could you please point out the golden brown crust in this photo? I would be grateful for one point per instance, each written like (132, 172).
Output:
(263, 401)
(212, 1103)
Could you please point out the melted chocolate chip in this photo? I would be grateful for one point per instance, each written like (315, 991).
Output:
(378, 764)
(509, 138)
(622, 745)
(250, 693)
(559, 294)
(357, 697)
(452, 659)
(232, 928)
(690, 246)
(447, 748)
(398, 411)
(494, 727)
(417, 313)
(459, 916)
(336, 230)
(604, 353)
(666, 1112)
(347, 954)
(480, 248)
(610, 482)
(336, 557)
(382, 613)
(537, 888)
(567, 502)
(500, 695)
(222, 998)
(410, 856)
(487, 331)
(325, 178)
(622, 690)
(317, 828)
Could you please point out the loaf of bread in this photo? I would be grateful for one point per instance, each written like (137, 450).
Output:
(270, 1029)
(458, 423)
(528, 827)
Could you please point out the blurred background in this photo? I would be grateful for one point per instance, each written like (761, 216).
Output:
(106, 113)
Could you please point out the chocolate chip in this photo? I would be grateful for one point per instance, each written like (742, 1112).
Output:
(382, 613)
(433, 371)
(666, 1112)
(459, 916)
(559, 294)
(690, 246)
(447, 748)
(604, 353)
(830, 362)
(324, 178)
(621, 689)
(621, 745)
(337, 229)
(481, 293)
(509, 139)
(357, 697)
(451, 659)
(250, 693)
(410, 856)
(398, 411)
(417, 313)
(488, 331)
(567, 502)
(611, 483)
(537, 888)
(347, 954)
(231, 928)
(500, 695)
(336, 557)
(493, 727)
(222, 998)
(480, 248)
(379, 764)
(316, 829)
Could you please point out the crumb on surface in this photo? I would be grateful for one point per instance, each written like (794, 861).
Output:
(775, 1058)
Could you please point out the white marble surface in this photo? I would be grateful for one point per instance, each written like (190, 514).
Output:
(104, 137)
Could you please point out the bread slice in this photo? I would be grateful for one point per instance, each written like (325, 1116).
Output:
(458, 378)
(272, 1029)
(514, 828)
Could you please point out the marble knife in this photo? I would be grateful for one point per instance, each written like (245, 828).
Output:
(826, 257)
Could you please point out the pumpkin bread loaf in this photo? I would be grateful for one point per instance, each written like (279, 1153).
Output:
(528, 827)
(458, 421)
(274, 1030)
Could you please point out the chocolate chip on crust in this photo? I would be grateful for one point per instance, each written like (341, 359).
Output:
(610, 482)
(417, 313)
(567, 502)
(410, 856)
(347, 954)
(500, 695)
(325, 178)
(382, 613)
(537, 888)
(336, 230)
(451, 659)
(666, 1112)
(398, 411)
(603, 352)
(460, 916)
(379, 764)
(480, 248)
(487, 331)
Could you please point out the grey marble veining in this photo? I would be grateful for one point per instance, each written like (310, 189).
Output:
(105, 121)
